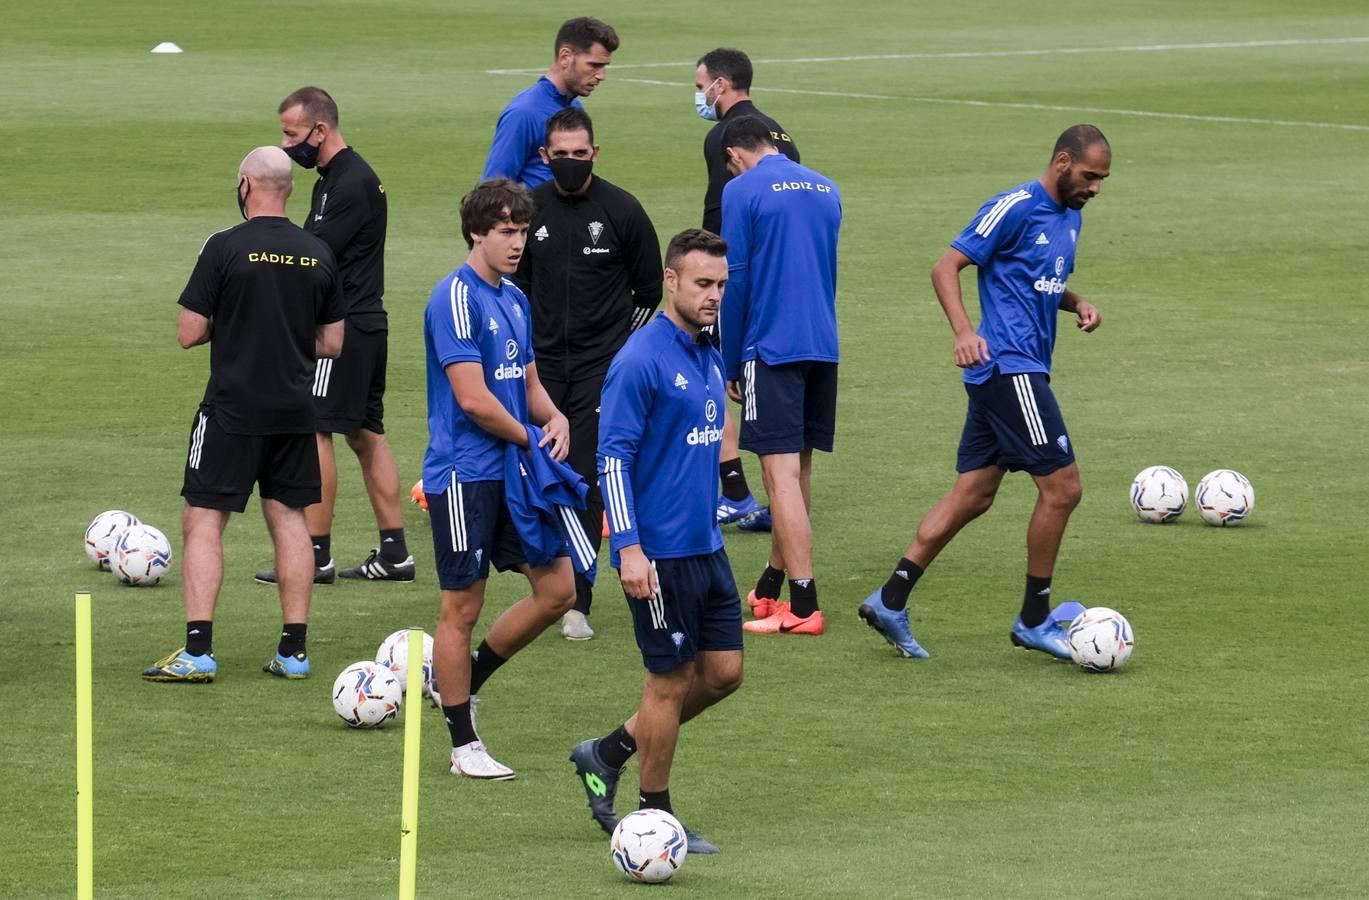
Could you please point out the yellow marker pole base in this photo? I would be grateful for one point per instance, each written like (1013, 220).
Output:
(85, 879)
(413, 721)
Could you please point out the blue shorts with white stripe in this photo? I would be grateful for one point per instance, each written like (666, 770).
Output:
(472, 529)
(1014, 422)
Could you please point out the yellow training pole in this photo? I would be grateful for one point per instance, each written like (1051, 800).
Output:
(84, 769)
(408, 815)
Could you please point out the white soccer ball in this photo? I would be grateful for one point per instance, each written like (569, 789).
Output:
(393, 653)
(142, 555)
(1225, 498)
(366, 695)
(103, 534)
(648, 845)
(1159, 494)
(1100, 639)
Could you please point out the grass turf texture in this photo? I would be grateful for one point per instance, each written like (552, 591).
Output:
(1226, 760)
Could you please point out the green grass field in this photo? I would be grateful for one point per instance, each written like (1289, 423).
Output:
(1226, 255)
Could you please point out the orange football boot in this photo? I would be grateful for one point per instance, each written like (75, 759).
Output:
(792, 624)
(771, 623)
(761, 607)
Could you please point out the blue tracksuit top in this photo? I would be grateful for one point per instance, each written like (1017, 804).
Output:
(660, 424)
(781, 222)
(521, 130)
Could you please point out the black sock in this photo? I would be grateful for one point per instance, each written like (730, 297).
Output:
(323, 549)
(803, 597)
(616, 748)
(292, 638)
(1036, 601)
(484, 663)
(392, 546)
(895, 591)
(655, 800)
(769, 584)
(733, 479)
(459, 723)
(199, 637)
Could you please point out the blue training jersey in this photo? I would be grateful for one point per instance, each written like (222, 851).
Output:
(781, 222)
(521, 129)
(468, 320)
(1023, 243)
(660, 428)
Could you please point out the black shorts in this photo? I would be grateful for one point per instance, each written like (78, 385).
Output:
(788, 408)
(221, 468)
(349, 392)
(1014, 422)
(698, 609)
(472, 529)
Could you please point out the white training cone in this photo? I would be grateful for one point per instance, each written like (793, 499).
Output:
(166, 47)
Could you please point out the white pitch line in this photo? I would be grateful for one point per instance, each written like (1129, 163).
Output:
(952, 101)
(991, 54)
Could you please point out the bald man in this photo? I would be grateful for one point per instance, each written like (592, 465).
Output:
(267, 298)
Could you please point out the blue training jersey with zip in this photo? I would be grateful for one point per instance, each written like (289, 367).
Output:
(1023, 243)
(781, 222)
(660, 428)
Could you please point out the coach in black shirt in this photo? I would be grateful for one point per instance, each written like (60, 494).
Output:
(592, 271)
(267, 297)
(349, 212)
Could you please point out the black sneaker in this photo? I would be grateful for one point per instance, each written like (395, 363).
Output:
(324, 575)
(375, 568)
(599, 781)
(698, 843)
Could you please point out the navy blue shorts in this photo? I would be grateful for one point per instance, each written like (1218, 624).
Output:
(1014, 422)
(788, 408)
(472, 529)
(698, 609)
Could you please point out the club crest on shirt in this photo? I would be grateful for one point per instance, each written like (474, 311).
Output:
(595, 229)
(1074, 236)
(678, 638)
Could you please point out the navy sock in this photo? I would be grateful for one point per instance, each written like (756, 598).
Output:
(199, 637)
(1036, 601)
(895, 592)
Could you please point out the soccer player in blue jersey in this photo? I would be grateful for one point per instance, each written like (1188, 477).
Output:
(781, 222)
(659, 440)
(1023, 243)
(482, 393)
(584, 48)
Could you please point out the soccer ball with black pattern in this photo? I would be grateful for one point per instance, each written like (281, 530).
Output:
(142, 555)
(103, 533)
(1159, 494)
(648, 845)
(393, 653)
(1100, 639)
(1225, 498)
(366, 695)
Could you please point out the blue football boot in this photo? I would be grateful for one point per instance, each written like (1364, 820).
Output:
(182, 667)
(293, 667)
(730, 511)
(1051, 636)
(892, 626)
(758, 521)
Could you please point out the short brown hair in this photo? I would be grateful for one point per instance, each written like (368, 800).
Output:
(315, 103)
(582, 33)
(491, 202)
(688, 241)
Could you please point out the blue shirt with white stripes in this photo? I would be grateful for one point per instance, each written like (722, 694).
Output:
(1023, 243)
(521, 129)
(660, 427)
(781, 222)
(468, 320)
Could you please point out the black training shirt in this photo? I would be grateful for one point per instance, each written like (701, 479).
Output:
(716, 160)
(592, 272)
(267, 285)
(349, 212)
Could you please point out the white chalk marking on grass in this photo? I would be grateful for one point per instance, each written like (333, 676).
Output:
(166, 47)
(1001, 104)
(992, 54)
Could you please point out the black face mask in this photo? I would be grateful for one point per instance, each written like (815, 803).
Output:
(242, 197)
(304, 153)
(570, 174)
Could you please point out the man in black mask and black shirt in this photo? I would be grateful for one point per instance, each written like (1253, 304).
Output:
(592, 271)
(267, 297)
(722, 94)
(348, 211)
